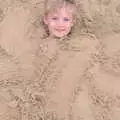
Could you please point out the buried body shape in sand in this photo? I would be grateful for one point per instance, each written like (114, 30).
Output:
(64, 59)
(61, 63)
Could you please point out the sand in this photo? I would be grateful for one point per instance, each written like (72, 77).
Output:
(28, 95)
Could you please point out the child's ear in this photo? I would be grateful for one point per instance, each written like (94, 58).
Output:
(45, 19)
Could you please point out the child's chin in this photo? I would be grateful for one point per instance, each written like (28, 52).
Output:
(60, 35)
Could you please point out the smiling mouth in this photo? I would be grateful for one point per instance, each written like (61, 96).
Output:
(60, 30)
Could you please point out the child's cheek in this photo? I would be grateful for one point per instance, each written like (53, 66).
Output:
(53, 23)
(69, 24)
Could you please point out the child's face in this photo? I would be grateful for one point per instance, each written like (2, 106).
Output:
(60, 22)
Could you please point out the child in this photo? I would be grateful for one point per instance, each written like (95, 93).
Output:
(63, 57)
(60, 23)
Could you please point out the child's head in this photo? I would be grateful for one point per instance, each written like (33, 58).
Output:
(59, 17)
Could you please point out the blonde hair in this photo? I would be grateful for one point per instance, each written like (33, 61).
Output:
(52, 5)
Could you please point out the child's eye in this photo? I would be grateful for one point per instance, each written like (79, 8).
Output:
(54, 18)
(66, 19)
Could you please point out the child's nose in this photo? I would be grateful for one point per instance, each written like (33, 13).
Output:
(61, 22)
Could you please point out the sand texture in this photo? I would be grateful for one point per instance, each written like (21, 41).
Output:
(60, 79)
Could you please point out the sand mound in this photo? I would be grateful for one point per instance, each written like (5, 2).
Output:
(20, 33)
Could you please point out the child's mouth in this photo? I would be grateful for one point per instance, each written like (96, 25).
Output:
(60, 30)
